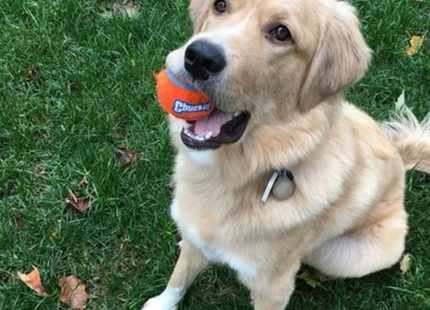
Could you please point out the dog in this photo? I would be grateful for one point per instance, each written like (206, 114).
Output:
(285, 171)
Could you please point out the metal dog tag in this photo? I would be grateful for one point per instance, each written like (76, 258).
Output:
(281, 185)
(269, 186)
(284, 186)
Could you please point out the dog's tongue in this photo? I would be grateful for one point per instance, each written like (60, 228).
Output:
(212, 123)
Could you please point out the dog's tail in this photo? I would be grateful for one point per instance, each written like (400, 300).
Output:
(411, 137)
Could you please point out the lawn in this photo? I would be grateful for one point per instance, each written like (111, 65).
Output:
(76, 86)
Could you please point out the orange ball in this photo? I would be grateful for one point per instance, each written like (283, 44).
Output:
(181, 99)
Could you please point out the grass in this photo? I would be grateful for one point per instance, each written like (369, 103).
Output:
(75, 86)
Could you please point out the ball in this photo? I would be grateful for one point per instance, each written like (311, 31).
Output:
(180, 98)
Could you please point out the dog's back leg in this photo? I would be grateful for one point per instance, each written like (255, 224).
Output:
(364, 250)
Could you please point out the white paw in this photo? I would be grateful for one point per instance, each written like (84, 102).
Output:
(158, 303)
(166, 300)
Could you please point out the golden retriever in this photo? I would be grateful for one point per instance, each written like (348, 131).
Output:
(276, 70)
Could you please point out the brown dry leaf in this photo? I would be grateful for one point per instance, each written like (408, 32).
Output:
(73, 292)
(33, 281)
(127, 9)
(124, 157)
(80, 204)
(415, 44)
(33, 77)
(405, 264)
(19, 222)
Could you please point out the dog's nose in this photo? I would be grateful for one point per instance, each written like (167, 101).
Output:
(203, 58)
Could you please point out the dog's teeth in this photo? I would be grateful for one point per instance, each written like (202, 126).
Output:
(208, 135)
(236, 113)
(190, 133)
(187, 126)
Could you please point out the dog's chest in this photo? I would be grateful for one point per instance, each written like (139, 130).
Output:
(213, 244)
(217, 253)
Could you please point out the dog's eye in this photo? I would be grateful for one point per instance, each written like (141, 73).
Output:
(220, 6)
(280, 33)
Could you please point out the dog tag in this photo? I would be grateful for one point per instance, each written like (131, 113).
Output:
(281, 185)
(269, 186)
(284, 186)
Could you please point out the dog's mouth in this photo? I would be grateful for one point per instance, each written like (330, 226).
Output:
(214, 130)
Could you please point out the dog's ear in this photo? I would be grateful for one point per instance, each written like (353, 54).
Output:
(341, 58)
(197, 10)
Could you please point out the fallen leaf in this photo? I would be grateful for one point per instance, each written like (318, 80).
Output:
(124, 157)
(309, 279)
(127, 9)
(73, 292)
(19, 222)
(33, 281)
(405, 264)
(80, 204)
(415, 44)
(400, 103)
(33, 77)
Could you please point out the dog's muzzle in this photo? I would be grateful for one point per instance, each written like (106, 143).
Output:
(203, 60)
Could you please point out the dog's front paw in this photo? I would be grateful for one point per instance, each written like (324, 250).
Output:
(166, 300)
(158, 303)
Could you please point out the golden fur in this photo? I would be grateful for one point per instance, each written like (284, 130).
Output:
(346, 217)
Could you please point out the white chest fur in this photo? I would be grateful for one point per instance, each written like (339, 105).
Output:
(216, 252)
(202, 158)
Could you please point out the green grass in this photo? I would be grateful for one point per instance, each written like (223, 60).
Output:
(75, 86)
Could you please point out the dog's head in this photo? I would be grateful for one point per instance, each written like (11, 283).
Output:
(265, 60)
